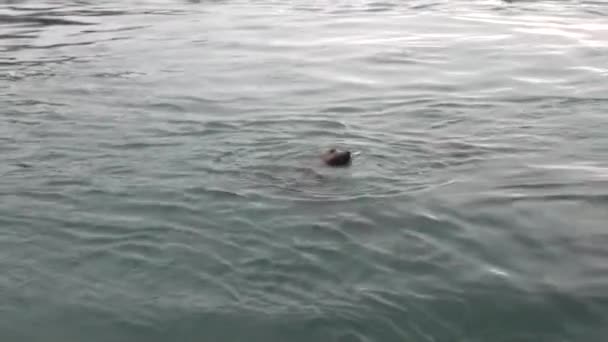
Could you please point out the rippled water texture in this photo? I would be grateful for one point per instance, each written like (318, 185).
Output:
(160, 179)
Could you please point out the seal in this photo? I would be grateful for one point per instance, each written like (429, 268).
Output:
(337, 158)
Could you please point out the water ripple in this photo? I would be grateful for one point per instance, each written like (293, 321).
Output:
(161, 179)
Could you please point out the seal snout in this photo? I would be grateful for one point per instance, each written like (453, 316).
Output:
(337, 158)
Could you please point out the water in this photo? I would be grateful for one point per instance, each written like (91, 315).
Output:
(160, 178)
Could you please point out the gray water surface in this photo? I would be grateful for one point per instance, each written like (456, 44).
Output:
(160, 179)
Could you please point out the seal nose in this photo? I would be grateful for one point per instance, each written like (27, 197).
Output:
(347, 157)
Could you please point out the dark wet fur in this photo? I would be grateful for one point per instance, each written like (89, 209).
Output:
(337, 158)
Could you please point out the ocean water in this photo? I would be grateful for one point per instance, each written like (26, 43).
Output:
(160, 176)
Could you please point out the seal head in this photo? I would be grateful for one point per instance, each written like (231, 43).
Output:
(337, 158)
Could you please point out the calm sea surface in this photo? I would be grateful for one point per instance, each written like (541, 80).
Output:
(160, 179)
